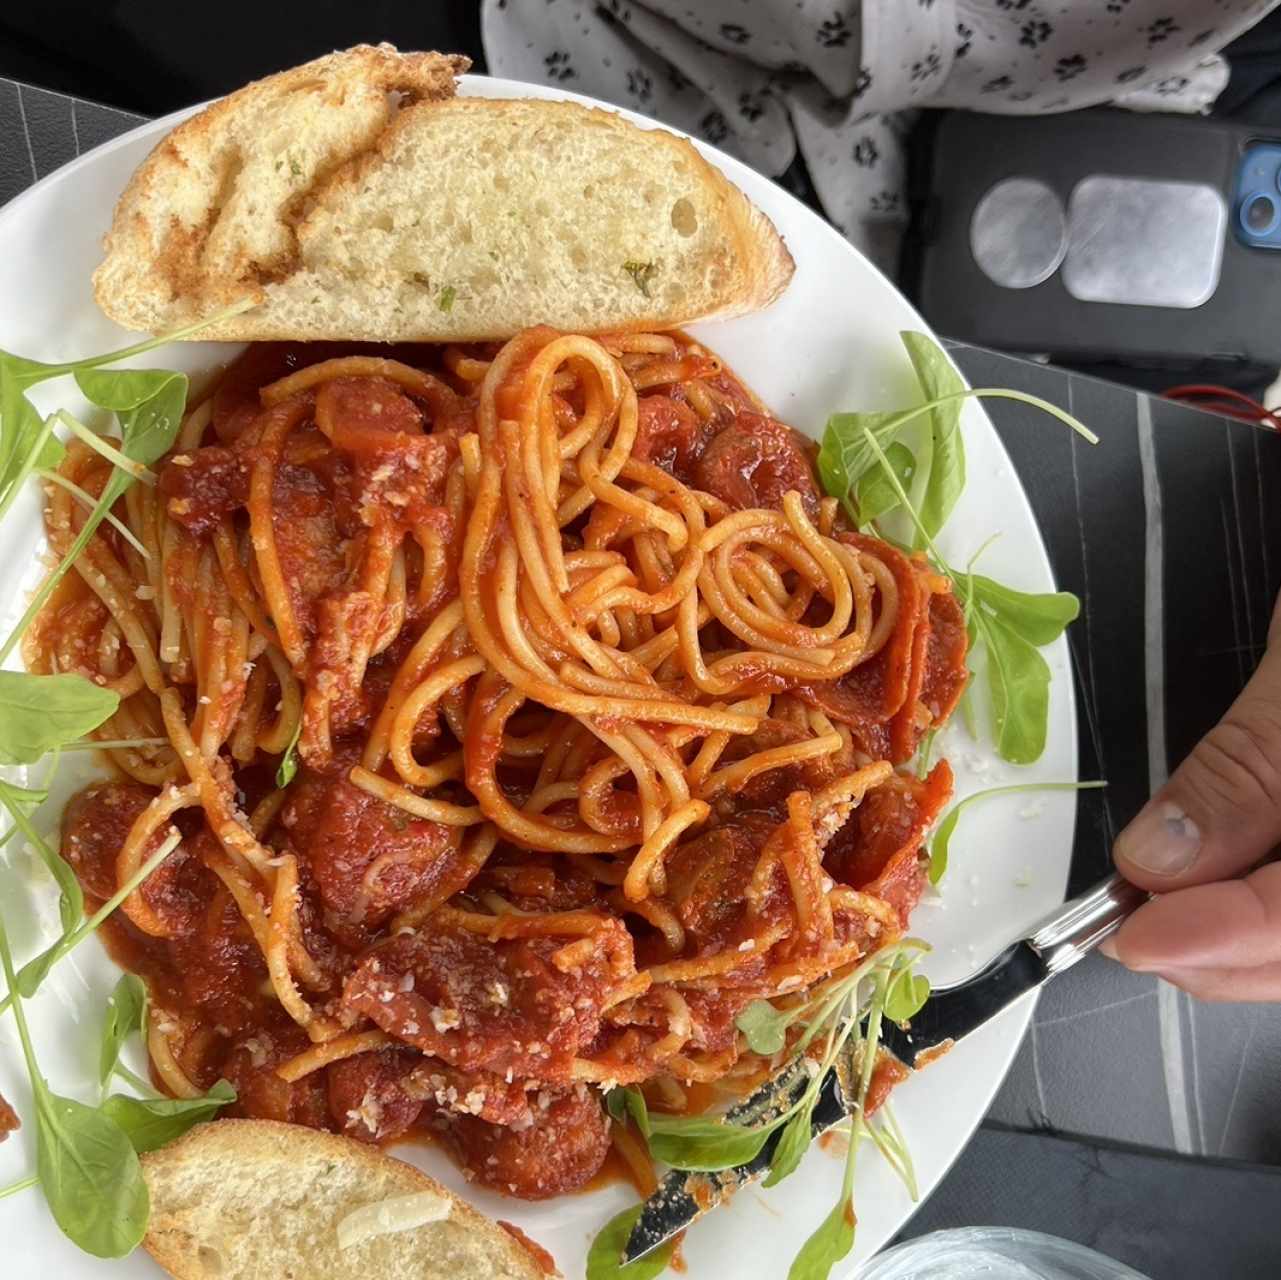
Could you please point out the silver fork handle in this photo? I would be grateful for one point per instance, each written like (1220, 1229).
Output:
(1078, 926)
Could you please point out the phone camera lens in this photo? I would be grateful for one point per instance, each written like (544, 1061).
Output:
(1259, 214)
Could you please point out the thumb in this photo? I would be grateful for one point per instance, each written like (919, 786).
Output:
(1220, 812)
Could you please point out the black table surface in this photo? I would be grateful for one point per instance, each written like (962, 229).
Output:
(1166, 532)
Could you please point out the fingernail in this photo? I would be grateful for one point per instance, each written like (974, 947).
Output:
(1108, 948)
(1162, 839)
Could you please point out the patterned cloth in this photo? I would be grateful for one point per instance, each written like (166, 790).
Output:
(838, 79)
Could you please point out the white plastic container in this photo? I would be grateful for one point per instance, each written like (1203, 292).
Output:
(994, 1253)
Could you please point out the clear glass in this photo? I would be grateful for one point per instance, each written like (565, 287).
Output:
(994, 1253)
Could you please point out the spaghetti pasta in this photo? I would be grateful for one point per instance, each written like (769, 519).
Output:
(528, 713)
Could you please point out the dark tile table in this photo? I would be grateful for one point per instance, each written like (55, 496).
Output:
(1168, 532)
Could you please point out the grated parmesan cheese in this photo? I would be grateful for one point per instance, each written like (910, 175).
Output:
(445, 1019)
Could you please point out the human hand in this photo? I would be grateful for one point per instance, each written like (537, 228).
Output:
(1214, 934)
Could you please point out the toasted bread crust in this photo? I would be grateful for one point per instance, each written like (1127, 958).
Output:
(193, 1234)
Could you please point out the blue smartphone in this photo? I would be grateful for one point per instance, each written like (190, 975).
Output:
(1256, 196)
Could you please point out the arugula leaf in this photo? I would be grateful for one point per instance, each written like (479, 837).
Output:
(71, 900)
(1018, 689)
(793, 1143)
(123, 389)
(828, 1245)
(20, 424)
(906, 995)
(90, 1175)
(698, 1144)
(605, 1257)
(853, 441)
(945, 830)
(1038, 617)
(87, 1167)
(835, 1235)
(36, 970)
(764, 1027)
(943, 387)
(1018, 677)
(622, 1103)
(41, 713)
(287, 769)
(150, 1123)
(43, 452)
(876, 496)
(844, 455)
(33, 973)
(126, 1013)
(147, 430)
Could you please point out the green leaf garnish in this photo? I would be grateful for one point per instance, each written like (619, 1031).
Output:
(940, 383)
(126, 1013)
(944, 831)
(147, 430)
(876, 496)
(623, 1103)
(287, 769)
(71, 899)
(844, 457)
(87, 1167)
(447, 295)
(91, 1176)
(1018, 677)
(605, 1257)
(764, 1027)
(150, 1123)
(828, 1245)
(33, 973)
(863, 465)
(792, 1144)
(702, 1144)
(38, 714)
(1019, 689)
(1039, 617)
(907, 994)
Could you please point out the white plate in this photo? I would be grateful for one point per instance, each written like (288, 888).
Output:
(831, 343)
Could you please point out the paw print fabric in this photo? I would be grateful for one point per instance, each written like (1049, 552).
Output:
(839, 80)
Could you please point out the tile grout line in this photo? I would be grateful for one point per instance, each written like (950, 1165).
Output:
(1263, 523)
(1092, 695)
(68, 97)
(1236, 1088)
(1245, 568)
(1036, 1071)
(26, 133)
(1242, 665)
(1169, 1016)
